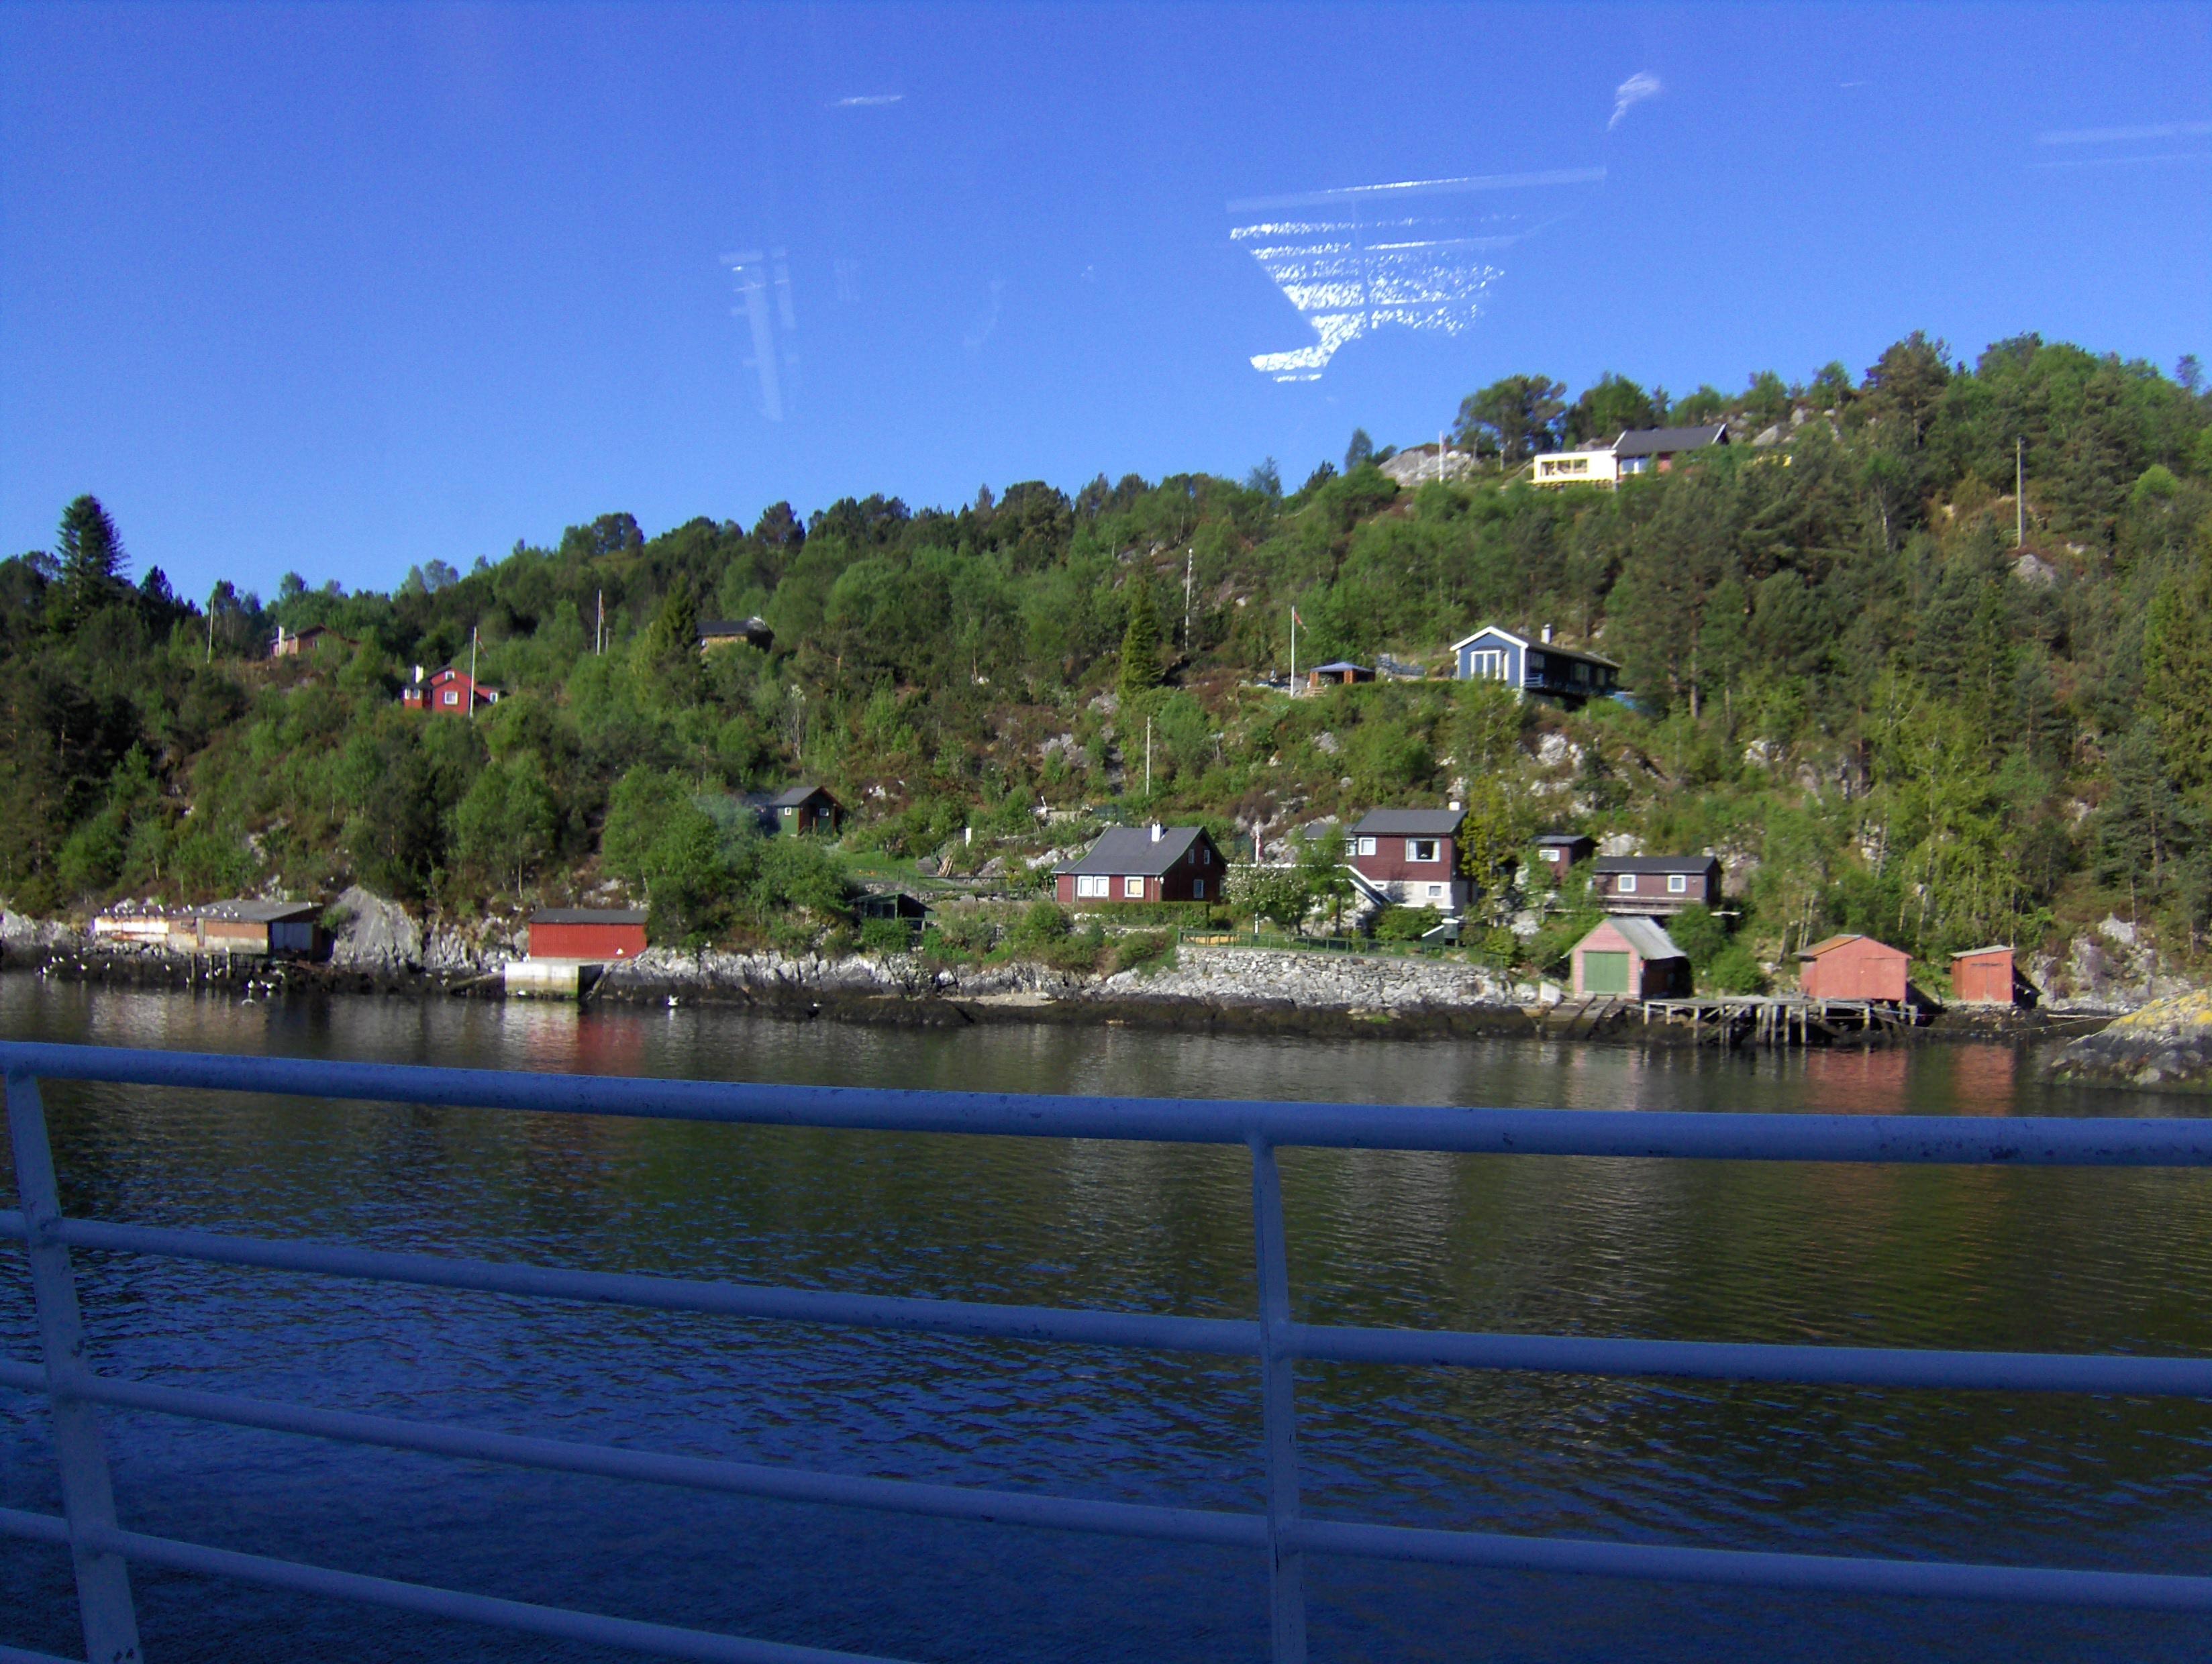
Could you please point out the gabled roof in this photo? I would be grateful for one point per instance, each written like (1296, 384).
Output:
(1337, 665)
(1565, 837)
(1130, 850)
(1539, 645)
(1829, 944)
(1654, 863)
(1410, 823)
(588, 916)
(1665, 441)
(718, 628)
(792, 796)
(1644, 935)
(248, 912)
(1976, 953)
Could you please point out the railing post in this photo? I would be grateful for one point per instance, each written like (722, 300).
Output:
(1286, 1582)
(103, 1578)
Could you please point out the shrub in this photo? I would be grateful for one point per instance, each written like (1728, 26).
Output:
(1734, 970)
(1407, 924)
(1144, 947)
(886, 936)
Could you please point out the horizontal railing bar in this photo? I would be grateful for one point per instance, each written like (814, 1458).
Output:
(1835, 1366)
(560, 1623)
(1044, 1511)
(2040, 1141)
(1722, 1360)
(1163, 1332)
(1940, 1579)
(1861, 1366)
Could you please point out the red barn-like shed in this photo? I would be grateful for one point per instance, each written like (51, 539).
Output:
(600, 934)
(1989, 976)
(1854, 968)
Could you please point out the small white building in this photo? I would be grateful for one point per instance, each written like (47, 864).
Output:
(1598, 466)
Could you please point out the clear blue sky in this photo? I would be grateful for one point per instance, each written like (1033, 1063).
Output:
(343, 288)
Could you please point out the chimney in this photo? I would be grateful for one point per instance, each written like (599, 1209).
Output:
(1548, 635)
(418, 673)
(1456, 805)
(1159, 831)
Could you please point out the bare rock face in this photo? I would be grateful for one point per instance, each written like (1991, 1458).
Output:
(2169, 1043)
(375, 934)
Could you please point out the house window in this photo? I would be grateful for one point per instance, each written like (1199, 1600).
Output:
(1420, 849)
(1627, 885)
(1092, 883)
(451, 698)
(1367, 845)
(1198, 890)
(1486, 664)
(1435, 892)
(1133, 889)
(1549, 854)
(1678, 884)
(1205, 856)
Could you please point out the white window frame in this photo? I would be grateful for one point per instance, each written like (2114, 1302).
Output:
(1435, 892)
(1678, 884)
(1096, 884)
(453, 698)
(1415, 846)
(1547, 854)
(1486, 664)
(1133, 889)
(1626, 886)
(1367, 845)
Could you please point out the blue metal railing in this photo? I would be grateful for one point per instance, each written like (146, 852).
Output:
(102, 1550)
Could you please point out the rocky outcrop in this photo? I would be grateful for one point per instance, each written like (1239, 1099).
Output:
(1312, 981)
(371, 933)
(2166, 1044)
(2112, 968)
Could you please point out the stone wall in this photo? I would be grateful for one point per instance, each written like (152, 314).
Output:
(1312, 980)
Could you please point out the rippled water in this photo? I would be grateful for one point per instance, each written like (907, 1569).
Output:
(1936, 1257)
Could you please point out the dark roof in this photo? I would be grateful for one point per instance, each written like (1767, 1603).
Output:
(1536, 643)
(260, 912)
(1654, 863)
(588, 916)
(792, 796)
(1665, 441)
(748, 627)
(1131, 849)
(1410, 823)
(1565, 837)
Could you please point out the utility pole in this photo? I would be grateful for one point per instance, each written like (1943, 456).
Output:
(1440, 456)
(1294, 652)
(210, 650)
(472, 672)
(599, 628)
(2019, 493)
(1190, 556)
(1148, 759)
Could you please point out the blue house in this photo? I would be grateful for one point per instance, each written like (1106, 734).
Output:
(1494, 654)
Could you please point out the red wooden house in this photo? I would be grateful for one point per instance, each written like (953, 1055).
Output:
(1989, 976)
(1409, 857)
(1153, 863)
(451, 691)
(586, 932)
(1854, 968)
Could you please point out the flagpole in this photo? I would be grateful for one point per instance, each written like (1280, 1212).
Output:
(1294, 652)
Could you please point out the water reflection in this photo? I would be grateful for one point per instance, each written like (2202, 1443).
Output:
(1832, 1252)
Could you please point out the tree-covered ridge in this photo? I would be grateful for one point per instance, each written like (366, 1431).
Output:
(1847, 677)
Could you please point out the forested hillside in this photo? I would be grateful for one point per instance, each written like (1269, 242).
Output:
(1846, 678)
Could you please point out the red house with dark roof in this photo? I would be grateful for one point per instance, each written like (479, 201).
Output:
(450, 691)
(1153, 863)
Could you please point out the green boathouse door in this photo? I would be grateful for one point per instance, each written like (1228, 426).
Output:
(1605, 972)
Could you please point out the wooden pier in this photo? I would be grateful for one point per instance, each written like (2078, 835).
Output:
(1781, 1020)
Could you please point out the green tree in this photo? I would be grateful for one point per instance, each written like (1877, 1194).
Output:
(93, 569)
(1277, 894)
(1513, 418)
(2178, 671)
(1360, 452)
(1140, 643)
(1607, 408)
(505, 824)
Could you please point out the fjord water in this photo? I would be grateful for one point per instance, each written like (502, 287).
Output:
(1977, 1258)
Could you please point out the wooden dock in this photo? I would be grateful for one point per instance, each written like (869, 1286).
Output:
(1781, 1020)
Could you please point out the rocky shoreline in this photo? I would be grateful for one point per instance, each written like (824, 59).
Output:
(2168, 1045)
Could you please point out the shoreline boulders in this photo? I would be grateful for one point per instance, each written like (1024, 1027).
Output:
(2167, 1043)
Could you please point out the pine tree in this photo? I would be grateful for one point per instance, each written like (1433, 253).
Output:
(93, 566)
(1141, 642)
(2177, 673)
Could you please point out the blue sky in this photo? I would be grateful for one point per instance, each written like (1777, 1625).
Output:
(344, 288)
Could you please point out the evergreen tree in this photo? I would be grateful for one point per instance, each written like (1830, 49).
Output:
(2177, 672)
(1360, 452)
(1141, 642)
(93, 566)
